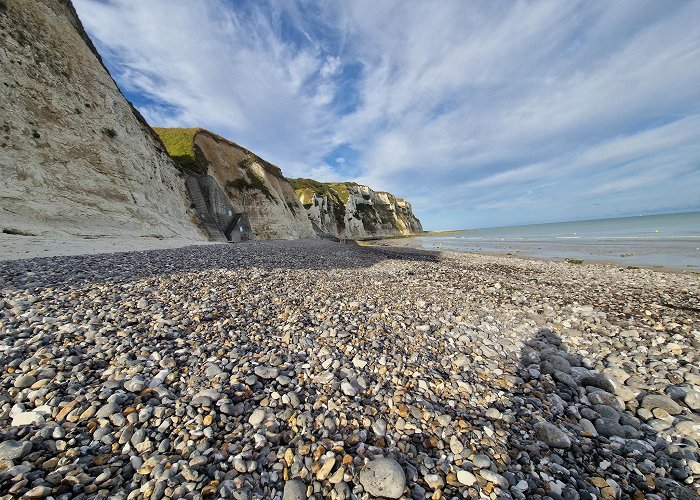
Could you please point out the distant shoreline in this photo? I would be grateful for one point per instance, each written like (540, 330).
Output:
(401, 242)
(668, 241)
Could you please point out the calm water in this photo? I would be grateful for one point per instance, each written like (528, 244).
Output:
(671, 240)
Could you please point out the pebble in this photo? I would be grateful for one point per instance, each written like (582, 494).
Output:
(27, 418)
(692, 400)
(383, 477)
(13, 450)
(225, 364)
(257, 417)
(379, 427)
(266, 372)
(348, 389)
(663, 402)
(38, 492)
(294, 489)
(481, 461)
(108, 410)
(466, 477)
(24, 381)
(134, 385)
(494, 478)
(552, 435)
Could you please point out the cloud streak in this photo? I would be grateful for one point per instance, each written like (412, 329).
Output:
(479, 113)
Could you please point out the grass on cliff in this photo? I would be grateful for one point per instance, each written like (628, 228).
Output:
(180, 145)
(340, 189)
(336, 192)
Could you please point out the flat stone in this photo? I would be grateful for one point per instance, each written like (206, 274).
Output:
(324, 378)
(456, 445)
(108, 410)
(134, 385)
(522, 486)
(294, 489)
(692, 400)
(257, 417)
(552, 435)
(293, 399)
(598, 381)
(466, 478)
(12, 450)
(433, 481)
(325, 469)
(493, 414)
(348, 389)
(662, 401)
(587, 428)
(359, 363)
(379, 427)
(27, 418)
(206, 397)
(689, 429)
(383, 478)
(609, 427)
(212, 370)
(481, 461)
(604, 398)
(159, 379)
(38, 492)
(606, 411)
(24, 381)
(266, 372)
(495, 478)
(676, 489)
(558, 363)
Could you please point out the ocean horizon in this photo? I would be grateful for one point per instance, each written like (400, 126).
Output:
(662, 240)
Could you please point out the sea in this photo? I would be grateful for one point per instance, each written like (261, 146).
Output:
(669, 241)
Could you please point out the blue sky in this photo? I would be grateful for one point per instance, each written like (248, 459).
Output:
(479, 113)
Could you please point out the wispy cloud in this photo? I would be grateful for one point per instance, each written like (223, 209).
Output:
(479, 113)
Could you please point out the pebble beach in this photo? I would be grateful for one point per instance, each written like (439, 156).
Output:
(294, 370)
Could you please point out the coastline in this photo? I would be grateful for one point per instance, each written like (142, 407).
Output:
(410, 242)
(300, 363)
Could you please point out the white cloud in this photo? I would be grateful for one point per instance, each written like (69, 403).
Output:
(504, 112)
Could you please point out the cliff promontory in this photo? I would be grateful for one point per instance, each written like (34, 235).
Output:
(251, 184)
(348, 210)
(76, 159)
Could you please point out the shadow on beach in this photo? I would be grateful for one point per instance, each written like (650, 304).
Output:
(120, 267)
(590, 439)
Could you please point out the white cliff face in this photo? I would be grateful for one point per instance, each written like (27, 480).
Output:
(75, 159)
(256, 187)
(354, 211)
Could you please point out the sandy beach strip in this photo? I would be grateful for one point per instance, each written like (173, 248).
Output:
(14, 246)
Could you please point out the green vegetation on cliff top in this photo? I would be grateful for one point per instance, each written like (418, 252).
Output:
(336, 192)
(180, 145)
(330, 189)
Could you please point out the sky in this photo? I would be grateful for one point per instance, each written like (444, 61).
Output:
(481, 114)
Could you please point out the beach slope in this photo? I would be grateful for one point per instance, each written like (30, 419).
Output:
(251, 369)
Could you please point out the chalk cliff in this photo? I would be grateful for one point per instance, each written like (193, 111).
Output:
(251, 184)
(76, 159)
(353, 211)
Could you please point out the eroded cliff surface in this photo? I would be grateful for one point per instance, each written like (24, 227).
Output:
(252, 184)
(76, 160)
(353, 211)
